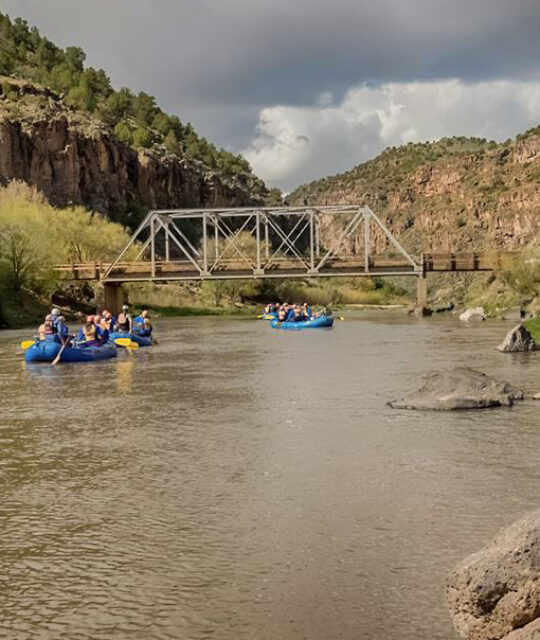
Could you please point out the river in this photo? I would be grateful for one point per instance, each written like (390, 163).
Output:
(237, 482)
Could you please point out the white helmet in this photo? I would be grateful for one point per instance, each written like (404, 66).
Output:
(55, 312)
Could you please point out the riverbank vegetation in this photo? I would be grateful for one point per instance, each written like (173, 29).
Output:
(219, 297)
(34, 236)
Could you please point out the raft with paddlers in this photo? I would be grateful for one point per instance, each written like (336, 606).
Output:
(48, 351)
(321, 322)
(142, 341)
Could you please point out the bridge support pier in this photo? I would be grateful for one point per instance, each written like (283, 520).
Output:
(109, 296)
(421, 292)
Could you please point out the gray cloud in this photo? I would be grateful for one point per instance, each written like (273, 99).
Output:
(220, 63)
(295, 144)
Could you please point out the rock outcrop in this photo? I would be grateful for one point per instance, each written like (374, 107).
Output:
(459, 388)
(73, 166)
(476, 313)
(452, 195)
(75, 159)
(494, 594)
(518, 339)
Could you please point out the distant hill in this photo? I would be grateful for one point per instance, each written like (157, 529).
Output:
(451, 195)
(65, 129)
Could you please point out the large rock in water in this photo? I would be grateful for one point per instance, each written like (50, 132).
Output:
(495, 593)
(476, 313)
(518, 339)
(459, 388)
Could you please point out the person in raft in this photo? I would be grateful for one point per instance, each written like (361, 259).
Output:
(102, 333)
(306, 310)
(59, 325)
(46, 329)
(87, 334)
(298, 314)
(107, 320)
(124, 322)
(91, 333)
(54, 327)
(142, 325)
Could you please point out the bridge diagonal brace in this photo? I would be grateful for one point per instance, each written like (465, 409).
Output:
(171, 224)
(172, 230)
(392, 239)
(131, 241)
(285, 238)
(350, 227)
(290, 242)
(232, 238)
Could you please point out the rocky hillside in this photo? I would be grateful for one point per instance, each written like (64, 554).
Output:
(74, 158)
(451, 195)
(65, 129)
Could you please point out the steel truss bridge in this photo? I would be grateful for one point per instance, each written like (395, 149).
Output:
(285, 243)
(270, 242)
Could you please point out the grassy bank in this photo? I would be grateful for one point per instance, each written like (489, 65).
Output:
(533, 327)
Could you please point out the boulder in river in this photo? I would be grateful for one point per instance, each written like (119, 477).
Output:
(475, 313)
(459, 388)
(518, 339)
(494, 594)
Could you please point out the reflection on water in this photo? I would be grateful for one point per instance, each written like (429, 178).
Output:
(124, 373)
(237, 482)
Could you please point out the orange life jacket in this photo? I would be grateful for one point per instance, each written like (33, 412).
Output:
(89, 333)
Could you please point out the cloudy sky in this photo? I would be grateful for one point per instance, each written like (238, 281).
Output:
(307, 88)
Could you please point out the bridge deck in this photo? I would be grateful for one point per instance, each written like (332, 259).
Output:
(179, 270)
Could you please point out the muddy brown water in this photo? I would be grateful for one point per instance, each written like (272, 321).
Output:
(236, 482)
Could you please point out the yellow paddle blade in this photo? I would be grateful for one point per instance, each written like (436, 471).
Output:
(259, 317)
(27, 344)
(341, 318)
(126, 342)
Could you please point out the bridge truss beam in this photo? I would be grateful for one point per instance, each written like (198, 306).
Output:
(259, 242)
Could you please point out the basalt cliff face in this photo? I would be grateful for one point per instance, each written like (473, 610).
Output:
(453, 195)
(74, 159)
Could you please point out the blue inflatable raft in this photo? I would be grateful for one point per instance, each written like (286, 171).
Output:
(316, 323)
(142, 341)
(47, 350)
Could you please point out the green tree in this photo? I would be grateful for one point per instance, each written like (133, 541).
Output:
(275, 197)
(46, 54)
(161, 123)
(75, 58)
(123, 132)
(142, 137)
(119, 104)
(171, 143)
(144, 108)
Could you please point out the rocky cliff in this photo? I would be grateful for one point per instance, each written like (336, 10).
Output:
(75, 159)
(455, 194)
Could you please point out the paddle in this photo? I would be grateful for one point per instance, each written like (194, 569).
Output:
(26, 344)
(57, 359)
(127, 343)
